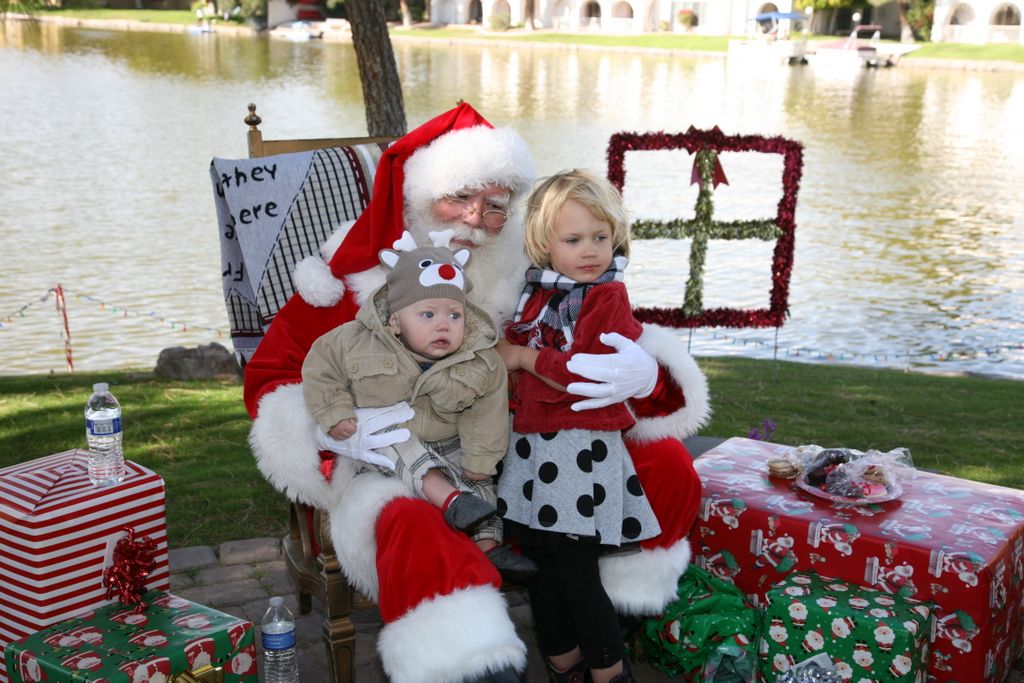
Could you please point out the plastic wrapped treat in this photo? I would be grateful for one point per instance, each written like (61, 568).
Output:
(850, 476)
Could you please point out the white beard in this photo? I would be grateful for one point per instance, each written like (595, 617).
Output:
(497, 267)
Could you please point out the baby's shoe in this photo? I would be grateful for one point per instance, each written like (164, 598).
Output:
(511, 565)
(465, 511)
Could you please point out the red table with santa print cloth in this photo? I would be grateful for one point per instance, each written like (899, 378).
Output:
(57, 534)
(955, 542)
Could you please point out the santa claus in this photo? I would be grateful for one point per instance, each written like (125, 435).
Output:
(439, 598)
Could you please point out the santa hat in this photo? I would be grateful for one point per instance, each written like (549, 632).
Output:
(458, 149)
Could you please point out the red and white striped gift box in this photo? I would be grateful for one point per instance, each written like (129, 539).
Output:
(57, 534)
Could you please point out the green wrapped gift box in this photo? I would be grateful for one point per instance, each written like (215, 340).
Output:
(172, 636)
(867, 634)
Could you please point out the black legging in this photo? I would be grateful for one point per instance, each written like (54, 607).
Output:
(570, 606)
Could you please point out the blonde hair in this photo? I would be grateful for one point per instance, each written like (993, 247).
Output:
(594, 193)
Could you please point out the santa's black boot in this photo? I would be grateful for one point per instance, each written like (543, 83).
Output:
(577, 673)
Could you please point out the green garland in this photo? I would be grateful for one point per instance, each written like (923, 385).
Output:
(682, 228)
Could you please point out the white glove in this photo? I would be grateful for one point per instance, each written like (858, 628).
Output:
(630, 372)
(369, 435)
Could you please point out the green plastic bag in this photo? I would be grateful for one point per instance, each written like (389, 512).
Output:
(709, 630)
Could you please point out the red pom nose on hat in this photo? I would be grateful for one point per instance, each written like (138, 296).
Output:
(447, 271)
(456, 150)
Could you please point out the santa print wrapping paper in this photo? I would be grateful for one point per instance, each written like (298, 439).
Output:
(868, 634)
(57, 534)
(957, 543)
(116, 644)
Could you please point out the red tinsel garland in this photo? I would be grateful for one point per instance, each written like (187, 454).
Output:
(782, 260)
(133, 560)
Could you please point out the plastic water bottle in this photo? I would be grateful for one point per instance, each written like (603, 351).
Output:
(103, 433)
(278, 634)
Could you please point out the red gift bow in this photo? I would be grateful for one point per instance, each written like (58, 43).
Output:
(132, 562)
(717, 174)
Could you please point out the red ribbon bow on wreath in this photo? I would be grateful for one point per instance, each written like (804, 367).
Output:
(132, 563)
(717, 174)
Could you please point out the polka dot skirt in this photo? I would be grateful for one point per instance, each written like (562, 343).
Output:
(576, 481)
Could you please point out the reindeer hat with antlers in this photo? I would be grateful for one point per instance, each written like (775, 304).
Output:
(417, 273)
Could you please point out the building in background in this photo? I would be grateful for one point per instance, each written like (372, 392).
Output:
(977, 21)
(702, 17)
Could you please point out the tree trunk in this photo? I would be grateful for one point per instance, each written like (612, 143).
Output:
(406, 14)
(378, 73)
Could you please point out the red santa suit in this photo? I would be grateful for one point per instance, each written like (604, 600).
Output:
(445, 618)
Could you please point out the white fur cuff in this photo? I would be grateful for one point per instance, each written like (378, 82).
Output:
(316, 284)
(452, 638)
(645, 583)
(283, 442)
(669, 351)
(354, 526)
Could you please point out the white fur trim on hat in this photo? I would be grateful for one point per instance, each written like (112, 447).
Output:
(283, 442)
(670, 352)
(450, 638)
(354, 524)
(316, 284)
(313, 278)
(332, 243)
(644, 583)
(468, 158)
(366, 282)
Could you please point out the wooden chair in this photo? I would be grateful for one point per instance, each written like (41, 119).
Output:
(258, 147)
(308, 552)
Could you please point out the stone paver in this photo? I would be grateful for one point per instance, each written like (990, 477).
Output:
(249, 551)
(225, 594)
(196, 557)
(249, 572)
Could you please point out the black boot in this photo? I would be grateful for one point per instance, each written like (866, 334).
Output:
(627, 674)
(511, 565)
(577, 673)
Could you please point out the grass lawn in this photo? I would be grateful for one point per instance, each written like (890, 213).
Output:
(1006, 53)
(152, 16)
(194, 433)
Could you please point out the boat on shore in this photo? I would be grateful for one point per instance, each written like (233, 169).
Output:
(297, 31)
(784, 50)
(853, 52)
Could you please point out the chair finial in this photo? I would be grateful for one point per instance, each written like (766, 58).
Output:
(252, 120)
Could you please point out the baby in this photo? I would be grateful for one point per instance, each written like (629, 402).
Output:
(419, 341)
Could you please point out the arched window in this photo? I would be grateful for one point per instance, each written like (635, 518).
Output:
(962, 15)
(476, 12)
(1006, 15)
(591, 10)
(622, 10)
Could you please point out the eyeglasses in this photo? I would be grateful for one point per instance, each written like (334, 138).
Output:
(491, 218)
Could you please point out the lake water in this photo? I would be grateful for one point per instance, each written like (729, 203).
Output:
(910, 221)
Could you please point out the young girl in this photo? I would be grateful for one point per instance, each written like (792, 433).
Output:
(568, 489)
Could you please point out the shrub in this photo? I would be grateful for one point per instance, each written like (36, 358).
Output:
(499, 22)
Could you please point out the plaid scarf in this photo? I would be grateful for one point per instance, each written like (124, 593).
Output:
(563, 308)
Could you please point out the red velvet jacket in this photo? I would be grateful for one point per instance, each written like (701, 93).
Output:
(540, 408)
